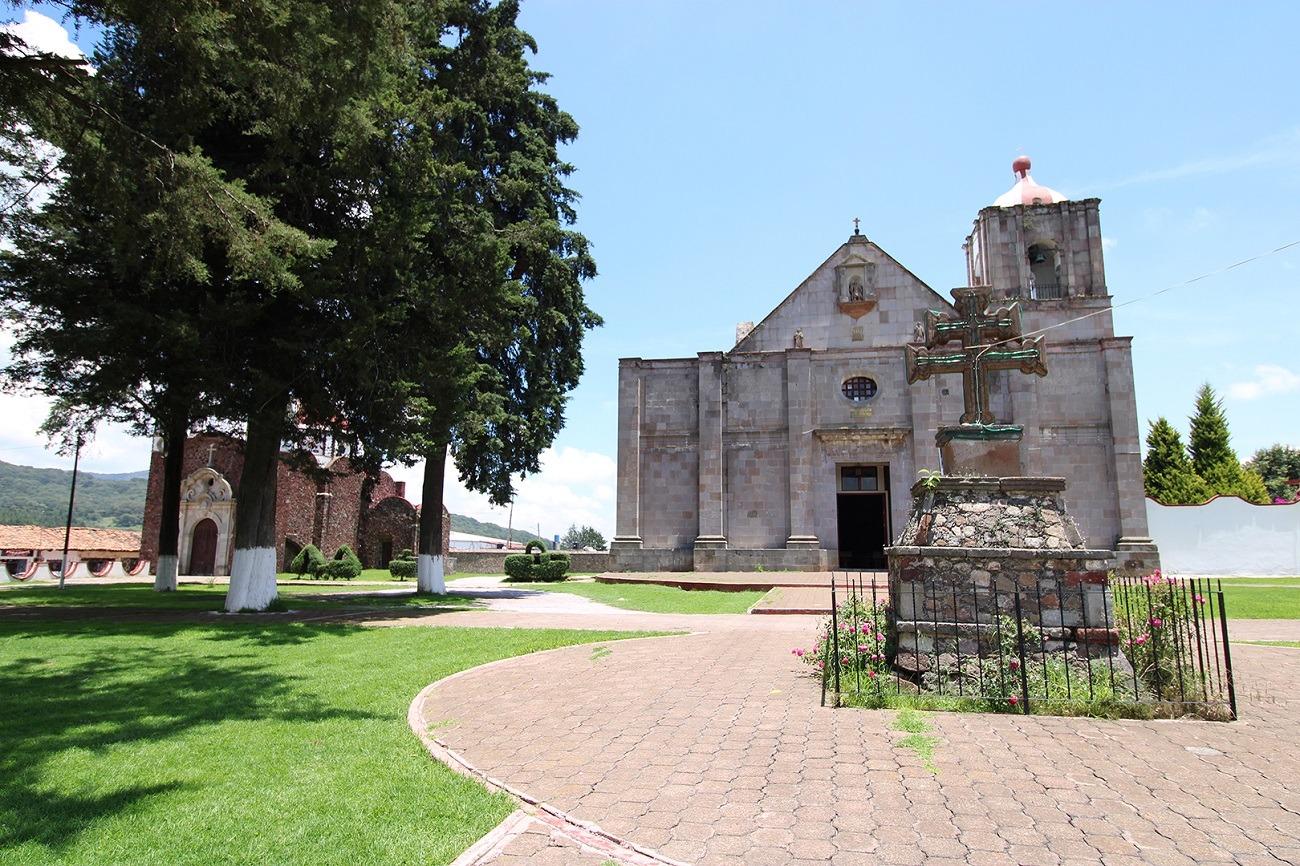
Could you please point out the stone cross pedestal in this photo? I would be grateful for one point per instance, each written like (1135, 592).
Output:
(984, 542)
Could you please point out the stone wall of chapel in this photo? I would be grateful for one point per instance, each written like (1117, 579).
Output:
(668, 452)
(670, 484)
(295, 513)
(758, 495)
(670, 397)
(754, 391)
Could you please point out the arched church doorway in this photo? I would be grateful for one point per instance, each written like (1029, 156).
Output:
(203, 548)
(863, 511)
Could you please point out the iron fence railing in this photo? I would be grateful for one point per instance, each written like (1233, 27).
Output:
(1153, 646)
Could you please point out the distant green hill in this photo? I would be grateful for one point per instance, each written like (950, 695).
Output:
(39, 497)
(461, 523)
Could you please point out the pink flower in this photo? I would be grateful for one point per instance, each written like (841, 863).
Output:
(820, 665)
(1015, 665)
(871, 673)
(862, 649)
(797, 652)
(844, 660)
(1155, 623)
(1142, 639)
(1013, 700)
(879, 636)
(1200, 599)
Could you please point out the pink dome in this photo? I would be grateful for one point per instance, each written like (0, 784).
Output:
(1026, 189)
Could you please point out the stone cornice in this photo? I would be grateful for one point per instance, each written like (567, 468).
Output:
(889, 436)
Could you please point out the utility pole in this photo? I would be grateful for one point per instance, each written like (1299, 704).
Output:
(72, 495)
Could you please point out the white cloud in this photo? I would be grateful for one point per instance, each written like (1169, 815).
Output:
(573, 487)
(1269, 379)
(44, 34)
(1109, 243)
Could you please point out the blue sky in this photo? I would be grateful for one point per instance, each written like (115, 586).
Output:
(726, 148)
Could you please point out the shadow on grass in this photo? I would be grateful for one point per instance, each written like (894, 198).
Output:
(52, 820)
(145, 683)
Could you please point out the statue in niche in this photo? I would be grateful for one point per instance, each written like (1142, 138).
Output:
(855, 289)
(798, 338)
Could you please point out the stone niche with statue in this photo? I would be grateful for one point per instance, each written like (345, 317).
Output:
(984, 541)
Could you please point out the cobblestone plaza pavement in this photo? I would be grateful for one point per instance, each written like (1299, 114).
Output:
(712, 748)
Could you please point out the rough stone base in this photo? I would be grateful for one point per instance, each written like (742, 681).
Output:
(701, 558)
(975, 548)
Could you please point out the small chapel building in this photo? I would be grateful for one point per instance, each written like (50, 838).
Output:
(340, 507)
(798, 448)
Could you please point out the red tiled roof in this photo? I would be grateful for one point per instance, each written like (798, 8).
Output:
(83, 538)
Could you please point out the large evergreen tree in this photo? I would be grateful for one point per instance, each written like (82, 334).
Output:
(1167, 470)
(302, 216)
(1213, 458)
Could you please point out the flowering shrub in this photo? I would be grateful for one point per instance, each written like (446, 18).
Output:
(1156, 617)
(866, 647)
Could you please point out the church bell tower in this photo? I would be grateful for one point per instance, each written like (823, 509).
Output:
(1035, 245)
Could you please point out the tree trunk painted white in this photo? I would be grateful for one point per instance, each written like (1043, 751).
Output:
(164, 579)
(429, 575)
(252, 579)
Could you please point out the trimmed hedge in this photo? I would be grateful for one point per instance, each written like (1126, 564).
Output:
(309, 561)
(542, 566)
(406, 565)
(344, 565)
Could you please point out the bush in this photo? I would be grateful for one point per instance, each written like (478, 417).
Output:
(344, 565)
(308, 561)
(523, 567)
(404, 566)
(519, 566)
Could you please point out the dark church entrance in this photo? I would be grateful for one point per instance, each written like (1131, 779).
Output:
(203, 549)
(863, 510)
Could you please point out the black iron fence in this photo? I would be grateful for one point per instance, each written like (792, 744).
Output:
(1136, 646)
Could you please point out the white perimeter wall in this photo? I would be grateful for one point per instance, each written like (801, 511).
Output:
(1226, 536)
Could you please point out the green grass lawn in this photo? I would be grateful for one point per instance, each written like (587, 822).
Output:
(235, 742)
(298, 596)
(1258, 581)
(198, 597)
(1261, 602)
(653, 598)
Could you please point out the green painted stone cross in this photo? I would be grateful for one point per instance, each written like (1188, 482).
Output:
(989, 340)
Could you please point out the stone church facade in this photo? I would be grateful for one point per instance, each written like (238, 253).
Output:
(798, 448)
(374, 518)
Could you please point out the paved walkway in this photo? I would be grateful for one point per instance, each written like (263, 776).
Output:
(711, 748)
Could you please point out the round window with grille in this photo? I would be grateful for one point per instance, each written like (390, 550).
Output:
(859, 388)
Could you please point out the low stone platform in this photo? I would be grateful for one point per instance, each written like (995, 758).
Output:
(737, 581)
(788, 593)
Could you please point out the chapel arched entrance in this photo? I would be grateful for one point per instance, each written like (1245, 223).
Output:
(203, 548)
